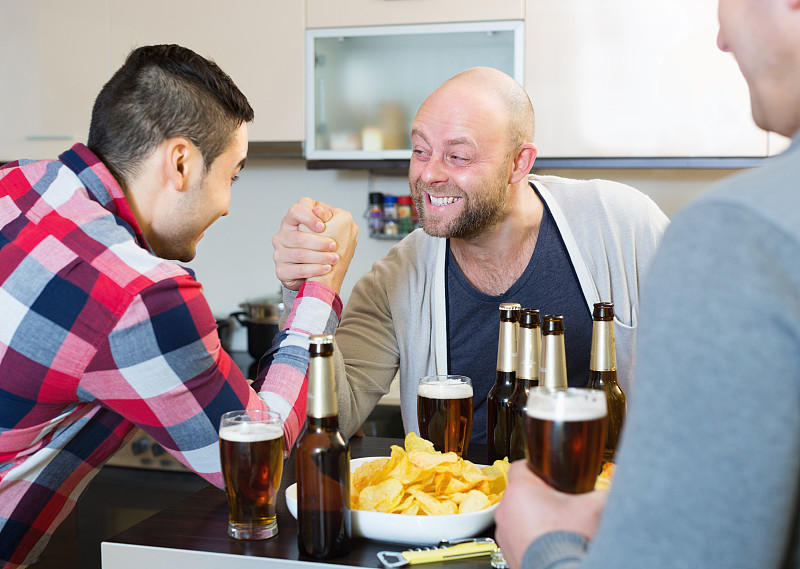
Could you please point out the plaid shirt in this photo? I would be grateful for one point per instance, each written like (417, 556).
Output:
(98, 336)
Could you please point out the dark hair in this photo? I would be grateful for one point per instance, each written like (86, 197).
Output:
(160, 92)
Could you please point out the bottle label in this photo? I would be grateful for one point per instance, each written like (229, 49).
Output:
(603, 356)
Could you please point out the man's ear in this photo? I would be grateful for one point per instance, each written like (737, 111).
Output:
(180, 161)
(524, 157)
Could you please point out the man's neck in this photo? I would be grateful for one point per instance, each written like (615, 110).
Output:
(493, 261)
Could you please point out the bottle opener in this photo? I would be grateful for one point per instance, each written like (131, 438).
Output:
(445, 551)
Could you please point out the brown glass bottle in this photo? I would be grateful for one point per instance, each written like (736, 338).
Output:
(554, 361)
(498, 410)
(603, 374)
(322, 463)
(528, 355)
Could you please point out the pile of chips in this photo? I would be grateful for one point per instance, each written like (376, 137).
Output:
(419, 480)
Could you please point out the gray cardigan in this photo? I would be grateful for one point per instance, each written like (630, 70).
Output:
(395, 318)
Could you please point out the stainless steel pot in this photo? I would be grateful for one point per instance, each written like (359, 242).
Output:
(261, 318)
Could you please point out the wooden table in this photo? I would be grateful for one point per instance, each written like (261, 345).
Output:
(193, 532)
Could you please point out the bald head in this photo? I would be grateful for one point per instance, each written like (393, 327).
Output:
(512, 101)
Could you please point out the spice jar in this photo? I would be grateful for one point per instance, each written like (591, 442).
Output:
(405, 223)
(375, 213)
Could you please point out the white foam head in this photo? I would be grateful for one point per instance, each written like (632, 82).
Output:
(566, 404)
(250, 432)
(445, 389)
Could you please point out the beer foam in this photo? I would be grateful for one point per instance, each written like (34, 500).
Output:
(450, 389)
(250, 432)
(568, 405)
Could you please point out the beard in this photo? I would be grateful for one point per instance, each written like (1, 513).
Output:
(481, 212)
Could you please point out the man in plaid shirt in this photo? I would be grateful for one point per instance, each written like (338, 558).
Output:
(99, 333)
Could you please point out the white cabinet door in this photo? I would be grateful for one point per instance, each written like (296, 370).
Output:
(625, 78)
(343, 13)
(52, 65)
(259, 43)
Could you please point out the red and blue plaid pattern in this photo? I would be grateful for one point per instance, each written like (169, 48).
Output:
(98, 335)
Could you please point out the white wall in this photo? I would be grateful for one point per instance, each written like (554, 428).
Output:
(234, 259)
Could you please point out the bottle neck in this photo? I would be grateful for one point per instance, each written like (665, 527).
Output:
(554, 362)
(321, 388)
(603, 355)
(530, 349)
(507, 346)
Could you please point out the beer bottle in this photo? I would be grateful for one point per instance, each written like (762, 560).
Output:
(603, 374)
(322, 463)
(554, 361)
(528, 355)
(498, 411)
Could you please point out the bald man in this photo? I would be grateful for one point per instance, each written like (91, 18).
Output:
(491, 233)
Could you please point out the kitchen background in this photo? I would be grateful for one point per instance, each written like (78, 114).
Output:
(625, 90)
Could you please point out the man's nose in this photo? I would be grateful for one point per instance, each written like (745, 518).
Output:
(435, 170)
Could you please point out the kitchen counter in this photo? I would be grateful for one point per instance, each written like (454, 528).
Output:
(193, 532)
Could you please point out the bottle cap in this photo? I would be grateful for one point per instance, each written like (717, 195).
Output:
(390, 199)
(376, 198)
(404, 200)
(529, 318)
(509, 311)
(320, 345)
(553, 324)
(603, 311)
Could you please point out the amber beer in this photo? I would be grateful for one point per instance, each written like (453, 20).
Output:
(251, 455)
(322, 463)
(603, 375)
(528, 356)
(565, 430)
(499, 415)
(444, 412)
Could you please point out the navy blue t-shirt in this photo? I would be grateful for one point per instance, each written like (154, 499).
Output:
(549, 284)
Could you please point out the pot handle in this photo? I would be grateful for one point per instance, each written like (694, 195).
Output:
(239, 315)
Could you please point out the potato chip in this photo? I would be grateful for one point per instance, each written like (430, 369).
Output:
(382, 497)
(420, 480)
(416, 443)
(474, 501)
(606, 476)
(368, 473)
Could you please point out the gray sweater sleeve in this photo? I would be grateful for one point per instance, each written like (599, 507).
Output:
(709, 470)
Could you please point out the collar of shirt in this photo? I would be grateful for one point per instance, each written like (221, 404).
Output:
(103, 187)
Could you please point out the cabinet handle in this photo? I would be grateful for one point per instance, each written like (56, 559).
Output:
(48, 137)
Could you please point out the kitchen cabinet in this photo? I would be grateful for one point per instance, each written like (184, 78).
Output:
(636, 80)
(259, 43)
(364, 84)
(52, 65)
(342, 13)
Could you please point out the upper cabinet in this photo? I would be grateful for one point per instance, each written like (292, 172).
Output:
(258, 43)
(52, 66)
(345, 13)
(641, 80)
(366, 83)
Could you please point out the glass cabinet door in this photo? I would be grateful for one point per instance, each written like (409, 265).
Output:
(364, 85)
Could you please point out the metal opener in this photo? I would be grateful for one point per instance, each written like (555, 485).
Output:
(446, 550)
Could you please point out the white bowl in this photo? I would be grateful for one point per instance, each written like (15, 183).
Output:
(402, 528)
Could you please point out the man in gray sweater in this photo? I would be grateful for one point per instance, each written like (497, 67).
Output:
(492, 234)
(709, 468)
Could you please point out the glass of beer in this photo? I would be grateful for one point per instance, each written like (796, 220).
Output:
(251, 454)
(565, 435)
(444, 412)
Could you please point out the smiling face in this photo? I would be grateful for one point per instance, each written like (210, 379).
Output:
(460, 161)
(206, 199)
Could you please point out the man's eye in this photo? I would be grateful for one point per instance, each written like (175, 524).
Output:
(234, 179)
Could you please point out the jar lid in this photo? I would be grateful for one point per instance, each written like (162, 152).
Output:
(404, 200)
